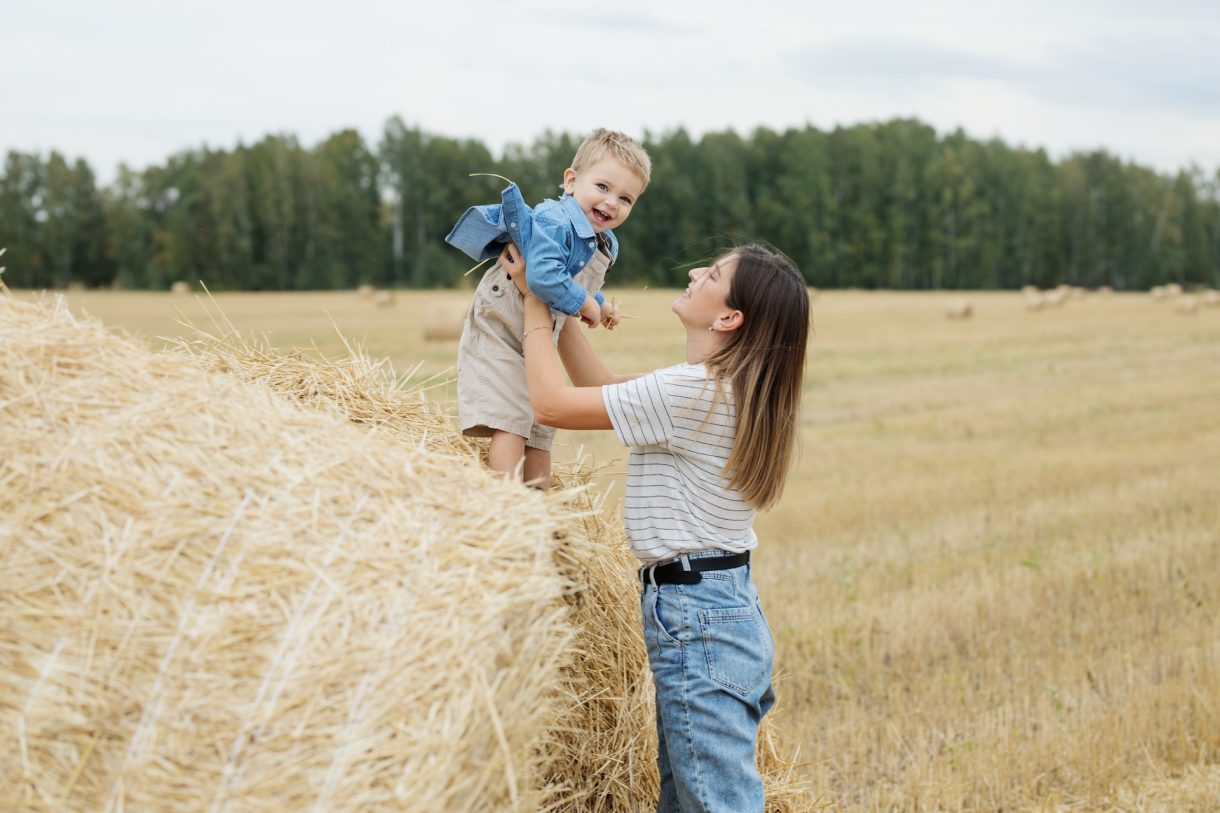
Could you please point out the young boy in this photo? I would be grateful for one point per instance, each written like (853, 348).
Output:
(567, 244)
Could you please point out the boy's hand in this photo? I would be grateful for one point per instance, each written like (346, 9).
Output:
(611, 316)
(590, 312)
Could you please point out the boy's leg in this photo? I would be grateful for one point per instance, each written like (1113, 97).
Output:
(538, 468)
(505, 453)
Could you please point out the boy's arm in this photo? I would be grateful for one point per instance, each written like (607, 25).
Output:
(546, 267)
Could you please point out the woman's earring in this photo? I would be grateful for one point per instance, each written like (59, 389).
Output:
(713, 327)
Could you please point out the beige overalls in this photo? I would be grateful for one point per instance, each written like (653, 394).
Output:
(491, 362)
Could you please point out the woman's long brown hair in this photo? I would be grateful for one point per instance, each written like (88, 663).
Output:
(764, 363)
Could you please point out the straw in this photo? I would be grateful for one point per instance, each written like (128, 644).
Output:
(244, 579)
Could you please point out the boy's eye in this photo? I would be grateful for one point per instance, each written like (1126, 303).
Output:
(602, 187)
(625, 200)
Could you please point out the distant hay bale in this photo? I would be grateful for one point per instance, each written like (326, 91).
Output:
(1105, 290)
(365, 291)
(1034, 300)
(1211, 298)
(1030, 289)
(1173, 290)
(180, 287)
(1187, 305)
(1158, 293)
(268, 581)
(443, 323)
(1054, 299)
(959, 309)
(384, 298)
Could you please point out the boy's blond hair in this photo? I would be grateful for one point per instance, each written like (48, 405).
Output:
(603, 143)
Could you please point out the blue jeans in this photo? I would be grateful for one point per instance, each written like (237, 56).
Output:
(711, 653)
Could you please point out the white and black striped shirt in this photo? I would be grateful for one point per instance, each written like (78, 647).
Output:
(677, 500)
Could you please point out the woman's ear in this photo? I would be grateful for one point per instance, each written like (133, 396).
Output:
(732, 320)
(569, 180)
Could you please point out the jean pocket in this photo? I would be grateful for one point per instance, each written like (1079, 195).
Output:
(738, 648)
(669, 634)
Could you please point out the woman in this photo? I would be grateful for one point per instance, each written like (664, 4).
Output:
(711, 441)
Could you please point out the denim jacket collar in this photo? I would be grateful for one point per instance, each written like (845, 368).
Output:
(582, 226)
(580, 221)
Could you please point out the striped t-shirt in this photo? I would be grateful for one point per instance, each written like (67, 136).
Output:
(677, 501)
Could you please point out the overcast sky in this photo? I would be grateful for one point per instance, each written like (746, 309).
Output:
(135, 80)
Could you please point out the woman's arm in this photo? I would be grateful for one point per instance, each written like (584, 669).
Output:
(555, 403)
(585, 367)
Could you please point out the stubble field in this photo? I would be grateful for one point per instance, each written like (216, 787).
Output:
(994, 576)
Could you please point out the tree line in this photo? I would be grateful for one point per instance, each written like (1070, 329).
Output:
(881, 205)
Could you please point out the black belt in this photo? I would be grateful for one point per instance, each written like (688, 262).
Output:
(674, 573)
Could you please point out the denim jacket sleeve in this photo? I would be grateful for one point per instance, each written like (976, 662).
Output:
(479, 232)
(546, 265)
(482, 231)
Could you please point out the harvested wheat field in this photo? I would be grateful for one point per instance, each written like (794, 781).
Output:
(993, 579)
(235, 579)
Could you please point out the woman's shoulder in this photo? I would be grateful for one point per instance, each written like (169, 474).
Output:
(691, 380)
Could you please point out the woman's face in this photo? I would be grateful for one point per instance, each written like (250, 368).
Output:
(703, 301)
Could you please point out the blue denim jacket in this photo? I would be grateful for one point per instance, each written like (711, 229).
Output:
(555, 237)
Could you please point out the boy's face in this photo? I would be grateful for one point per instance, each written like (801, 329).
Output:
(605, 191)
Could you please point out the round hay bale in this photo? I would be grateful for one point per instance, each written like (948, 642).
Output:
(1187, 305)
(180, 287)
(1211, 298)
(1173, 290)
(220, 599)
(1158, 293)
(443, 323)
(1034, 300)
(959, 309)
(384, 298)
(365, 291)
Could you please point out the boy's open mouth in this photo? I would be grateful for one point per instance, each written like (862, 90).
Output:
(601, 216)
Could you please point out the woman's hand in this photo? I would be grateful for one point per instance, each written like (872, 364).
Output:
(514, 266)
